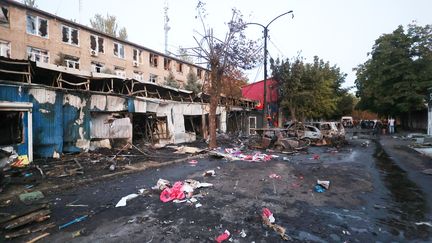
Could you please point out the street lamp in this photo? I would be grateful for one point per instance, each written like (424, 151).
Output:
(265, 62)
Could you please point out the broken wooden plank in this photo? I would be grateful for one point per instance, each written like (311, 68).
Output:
(35, 216)
(38, 238)
(31, 210)
(29, 230)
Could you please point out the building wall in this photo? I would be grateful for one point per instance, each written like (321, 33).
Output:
(17, 35)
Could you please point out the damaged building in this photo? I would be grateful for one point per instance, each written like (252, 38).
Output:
(49, 110)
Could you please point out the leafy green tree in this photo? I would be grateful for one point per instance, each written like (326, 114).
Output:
(171, 81)
(192, 83)
(308, 90)
(108, 25)
(395, 79)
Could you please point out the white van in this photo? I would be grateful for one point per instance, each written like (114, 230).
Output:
(347, 121)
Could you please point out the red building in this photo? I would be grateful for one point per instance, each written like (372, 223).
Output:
(255, 91)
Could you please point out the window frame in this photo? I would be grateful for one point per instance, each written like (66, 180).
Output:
(98, 49)
(120, 72)
(94, 67)
(37, 19)
(33, 51)
(153, 78)
(8, 49)
(70, 35)
(138, 74)
(118, 50)
(153, 60)
(138, 55)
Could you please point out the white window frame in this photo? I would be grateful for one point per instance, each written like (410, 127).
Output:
(69, 62)
(5, 49)
(118, 50)
(120, 72)
(36, 53)
(94, 67)
(254, 118)
(70, 35)
(153, 78)
(138, 76)
(154, 60)
(37, 23)
(138, 55)
(97, 44)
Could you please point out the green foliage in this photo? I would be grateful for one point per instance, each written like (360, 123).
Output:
(395, 79)
(170, 81)
(192, 83)
(309, 90)
(108, 25)
(30, 3)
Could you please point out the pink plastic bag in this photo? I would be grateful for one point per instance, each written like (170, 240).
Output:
(169, 194)
(223, 237)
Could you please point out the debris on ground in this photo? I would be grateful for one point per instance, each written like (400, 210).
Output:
(161, 184)
(193, 162)
(223, 237)
(427, 171)
(176, 192)
(124, 200)
(186, 149)
(31, 197)
(325, 184)
(74, 221)
(318, 188)
(269, 220)
(275, 176)
(237, 154)
(209, 173)
(38, 238)
(424, 223)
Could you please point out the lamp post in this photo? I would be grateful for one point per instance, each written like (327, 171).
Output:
(265, 62)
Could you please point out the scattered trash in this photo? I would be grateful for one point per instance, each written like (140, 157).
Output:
(77, 220)
(209, 173)
(427, 171)
(237, 154)
(186, 150)
(424, 223)
(161, 184)
(223, 237)
(346, 232)
(29, 230)
(268, 220)
(112, 167)
(315, 157)
(275, 176)
(318, 188)
(35, 216)
(243, 233)
(193, 162)
(198, 205)
(31, 197)
(365, 144)
(266, 213)
(169, 194)
(286, 159)
(20, 161)
(325, 184)
(78, 233)
(124, 200)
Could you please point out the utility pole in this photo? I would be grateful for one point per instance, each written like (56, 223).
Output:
(166, 26)
(265, 62)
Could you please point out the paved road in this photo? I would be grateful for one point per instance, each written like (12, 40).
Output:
(377, 193)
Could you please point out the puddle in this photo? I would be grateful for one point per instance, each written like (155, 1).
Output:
(406, 203)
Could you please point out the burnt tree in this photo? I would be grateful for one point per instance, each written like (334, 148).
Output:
(221, 56)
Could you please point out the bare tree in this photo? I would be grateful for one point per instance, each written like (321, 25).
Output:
(222, 55)
(108, 25)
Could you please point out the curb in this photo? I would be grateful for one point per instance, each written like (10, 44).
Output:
(106, 176)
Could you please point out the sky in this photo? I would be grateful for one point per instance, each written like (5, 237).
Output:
(341, 32)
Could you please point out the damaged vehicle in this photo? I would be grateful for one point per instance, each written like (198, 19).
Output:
(330, 129)
(301, 130)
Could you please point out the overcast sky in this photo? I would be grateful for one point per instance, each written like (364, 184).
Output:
(339, 31)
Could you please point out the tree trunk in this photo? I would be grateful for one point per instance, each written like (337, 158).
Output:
(212, 120)
(293, 115)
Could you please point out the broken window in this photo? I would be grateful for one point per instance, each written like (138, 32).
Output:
(137, 56)
(4, 48)
(252, 124)
(70, 35)
(119, 50)
(97, 67)
(4, 16)
(199, 73)
(11, 129)
(153, 78)
(120, 72)
(138, 76)
(153, 60)
(71, 62)
(37, 55)
(37, 26)
(96, 43)
(193, 124)
(167, 64)
(161, 129)
(179, 67)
